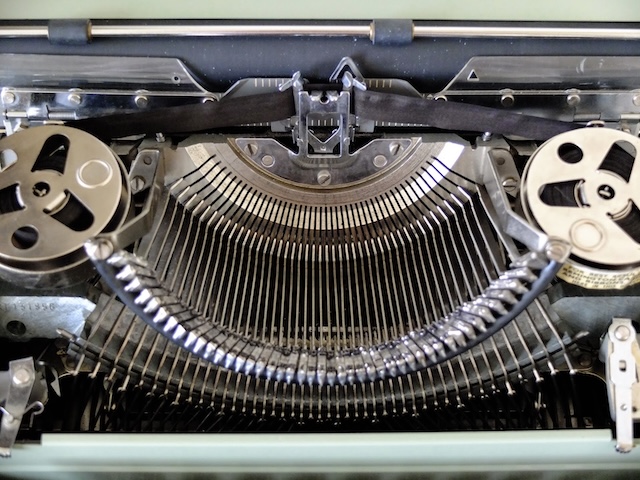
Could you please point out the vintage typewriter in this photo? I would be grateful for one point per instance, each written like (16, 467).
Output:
(318, 227)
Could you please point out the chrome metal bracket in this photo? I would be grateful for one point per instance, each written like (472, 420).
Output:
(500, 180)
(325, 127)
(146, 176)
(16, 385)
(323, 130)
(622, 361)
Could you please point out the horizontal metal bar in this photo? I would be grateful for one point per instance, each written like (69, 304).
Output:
(24, 31)
(230, 30)
(463, 31)
(268, 30)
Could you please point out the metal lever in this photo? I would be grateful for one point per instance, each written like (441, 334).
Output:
(622, 361)
(17, 383)
(147, 174)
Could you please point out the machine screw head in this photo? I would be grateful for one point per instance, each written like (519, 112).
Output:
(251, 149)
(573, 99)
(622, 333)
(74, 98)
(509, 184)
(137, 183)
(324, 177)
(636, 99)
(395, 148)
(8, 97)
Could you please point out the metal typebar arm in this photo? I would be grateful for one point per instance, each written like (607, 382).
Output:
(139, 287)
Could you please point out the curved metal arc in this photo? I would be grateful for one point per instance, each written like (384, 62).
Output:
(139, 288)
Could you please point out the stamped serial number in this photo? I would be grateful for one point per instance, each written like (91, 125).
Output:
(27, 307)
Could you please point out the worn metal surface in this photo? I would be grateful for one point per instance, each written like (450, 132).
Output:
(26, 317)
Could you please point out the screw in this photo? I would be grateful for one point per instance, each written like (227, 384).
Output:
(622, 333)
(137, 184)
(251, 149)
(99, 249)
(147, 160)
(395, 148)
(141, 101)
(268, 161)
(160, 138)
(22, 377)
(8, 97)
(379, 161)
(74, 98)
(507, 100)
(486, 136)
(510, 184)
(636, 100)
(324, 177)
(573, 99)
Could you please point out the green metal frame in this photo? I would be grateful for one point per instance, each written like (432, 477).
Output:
(591, 453)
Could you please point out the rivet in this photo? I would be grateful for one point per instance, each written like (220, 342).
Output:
(268, 161)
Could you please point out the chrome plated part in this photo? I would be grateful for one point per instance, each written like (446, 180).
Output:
(373, 158)
(65, 186)
(271, 236)
(44, 88)
(124, 347)
(323, 131)
(354, 30)
(622, 361)
(20, 379)
(147, 174)
(543, 85)
(497, 160)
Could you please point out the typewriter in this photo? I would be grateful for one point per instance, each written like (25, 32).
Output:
(306, 230)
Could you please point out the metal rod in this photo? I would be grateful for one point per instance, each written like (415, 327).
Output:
(527, 32)
(229, 30)
(20, 32)
(419, 31)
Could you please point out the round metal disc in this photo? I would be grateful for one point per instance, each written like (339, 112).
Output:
(584, 186)
(64, 187)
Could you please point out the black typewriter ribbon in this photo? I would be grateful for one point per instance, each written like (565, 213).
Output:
(370, 105)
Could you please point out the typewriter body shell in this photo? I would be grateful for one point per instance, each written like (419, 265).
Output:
(490, 329)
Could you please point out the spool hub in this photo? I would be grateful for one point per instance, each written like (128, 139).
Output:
(58, 187)
(584, 186)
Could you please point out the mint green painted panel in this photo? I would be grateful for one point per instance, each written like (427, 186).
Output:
(565, 10)
(585, 451)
